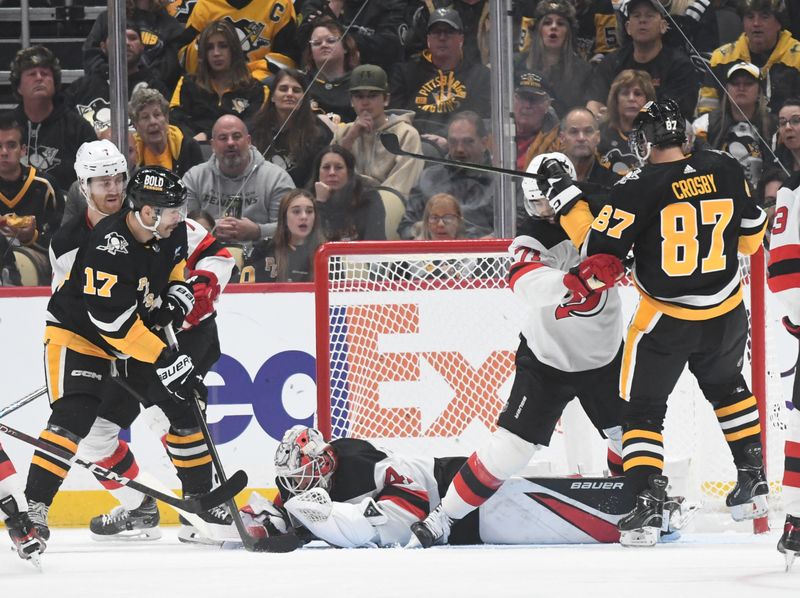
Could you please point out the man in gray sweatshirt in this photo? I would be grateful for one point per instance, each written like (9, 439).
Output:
(237, 186)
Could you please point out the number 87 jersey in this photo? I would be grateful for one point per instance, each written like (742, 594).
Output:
(686, 221)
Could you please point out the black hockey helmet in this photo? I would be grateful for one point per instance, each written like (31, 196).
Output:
(659, 123)
(156, 186)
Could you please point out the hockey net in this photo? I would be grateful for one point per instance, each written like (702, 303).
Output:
(415, 350)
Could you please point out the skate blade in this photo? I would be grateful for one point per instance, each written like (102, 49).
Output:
(755, 508)
(789, 555)
(189, 535)
(413, 543)
(642, 537)
(35, 559)
(136, 535)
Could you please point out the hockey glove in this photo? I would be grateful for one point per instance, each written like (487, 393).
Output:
(176, 303)
(560, 191)
(594, 274)
(793, 328)
(176, 372)
(206, 289)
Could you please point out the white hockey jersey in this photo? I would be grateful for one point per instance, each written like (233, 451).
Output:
(568, 336)
(784, 248)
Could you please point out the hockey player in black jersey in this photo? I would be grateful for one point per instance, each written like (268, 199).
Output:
(686, 218)
(104, 313)
(554, 363)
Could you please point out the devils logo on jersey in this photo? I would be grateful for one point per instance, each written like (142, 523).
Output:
(585, 308)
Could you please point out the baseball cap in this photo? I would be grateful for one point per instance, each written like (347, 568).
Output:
(528, 82)
(368, 77)
(625, 7)
(743, 67)
(446, 15)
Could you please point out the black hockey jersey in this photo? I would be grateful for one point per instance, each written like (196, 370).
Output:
(101, 309)
(34, 194)
(685, 220)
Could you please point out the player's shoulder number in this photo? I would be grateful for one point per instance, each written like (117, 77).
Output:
(613, 221)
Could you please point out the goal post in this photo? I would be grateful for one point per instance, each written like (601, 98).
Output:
(415, 348)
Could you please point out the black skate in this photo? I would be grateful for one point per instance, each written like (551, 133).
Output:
(678, 512)
(140, 523)
(434, 529)
(748, 499)
(22, 532)
(216, 529)
(37, 511)
(642, 526)
(789, 544)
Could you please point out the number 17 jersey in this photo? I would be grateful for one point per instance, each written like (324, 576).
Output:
(687, 221)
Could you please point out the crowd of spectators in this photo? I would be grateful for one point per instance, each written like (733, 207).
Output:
(272, 111)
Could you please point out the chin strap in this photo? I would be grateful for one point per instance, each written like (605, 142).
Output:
(153, 229)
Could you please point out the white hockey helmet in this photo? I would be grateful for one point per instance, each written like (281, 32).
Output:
(534, 200)
(304, 460)
(98, 158)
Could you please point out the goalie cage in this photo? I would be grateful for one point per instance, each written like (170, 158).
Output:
(415, 350)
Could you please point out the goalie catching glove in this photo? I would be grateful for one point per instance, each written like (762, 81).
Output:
(176, 372)
(176, 303)
(205, 288)
(594, 274)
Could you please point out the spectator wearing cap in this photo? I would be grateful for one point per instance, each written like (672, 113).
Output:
(467, 141)
(764, 43)
(536, 123)
(375, 26)
(742, 125)
(474, 16)
(369, 97)
(552, 53)
(671, 70)
(53, 131)
(440, 82)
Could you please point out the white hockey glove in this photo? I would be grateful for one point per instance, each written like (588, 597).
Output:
(262, 518)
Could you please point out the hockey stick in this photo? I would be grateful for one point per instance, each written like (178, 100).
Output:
(192, 505)
(23, 401)
(282, 543)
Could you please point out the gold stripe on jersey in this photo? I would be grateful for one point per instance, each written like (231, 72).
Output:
(11, 203)
(139, 342)
(736, 407)
(577, 222)
(684, 313)
(643, 321)
(75, 342)
(749, 244)
(178, 272)
(54, 357)
(59, 440)
(751, 431)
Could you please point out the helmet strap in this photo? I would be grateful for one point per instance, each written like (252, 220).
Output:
(153, 229)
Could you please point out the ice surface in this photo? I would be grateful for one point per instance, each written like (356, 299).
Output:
(707, 565)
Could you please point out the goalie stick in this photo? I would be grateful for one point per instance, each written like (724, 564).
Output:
(282, 543)
(217, 496)
(23, 401)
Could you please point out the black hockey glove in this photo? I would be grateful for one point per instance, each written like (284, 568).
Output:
(176, 372)
(558, 188)
(177, 302)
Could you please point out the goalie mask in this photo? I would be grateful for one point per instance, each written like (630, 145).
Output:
(534, 199)
(160, 189)
(304, 460)
(658, 124)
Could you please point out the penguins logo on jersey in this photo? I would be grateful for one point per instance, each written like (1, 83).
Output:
(42, 158)
(249, 33)
(239, 105)
(97, 112)
(585, 308)
(115, 243)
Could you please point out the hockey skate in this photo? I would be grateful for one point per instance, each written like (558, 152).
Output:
(789, 544)
(642, 526)
(23, 534)
(217, 529)
(748, 499)
(678, 512)
(140, 523)
(434, 529)
(37, 511)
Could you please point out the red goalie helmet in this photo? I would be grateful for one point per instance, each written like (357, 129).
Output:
(304, 460)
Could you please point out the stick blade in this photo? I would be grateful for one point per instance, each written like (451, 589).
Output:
(221, 494)
(283, 543)
(391, 143)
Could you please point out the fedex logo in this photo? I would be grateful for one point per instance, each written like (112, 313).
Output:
(360, 371)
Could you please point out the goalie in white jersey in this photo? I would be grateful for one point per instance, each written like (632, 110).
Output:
(784, 281)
